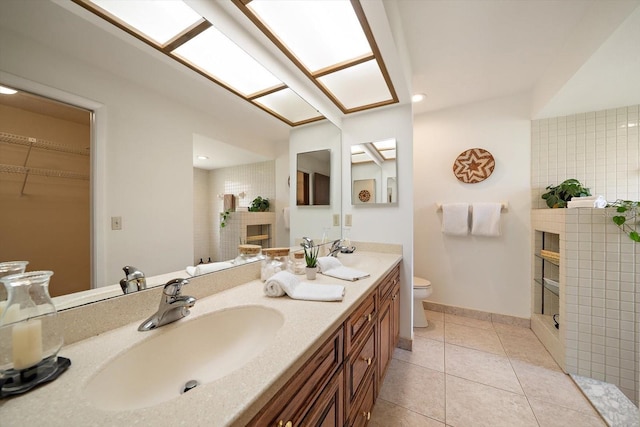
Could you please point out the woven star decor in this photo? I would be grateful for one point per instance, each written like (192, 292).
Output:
(474, 165)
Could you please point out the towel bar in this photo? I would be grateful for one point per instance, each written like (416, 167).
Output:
(505, 206)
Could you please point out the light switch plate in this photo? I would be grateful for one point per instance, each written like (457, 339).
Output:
(336, 220)
(347, 220)
(116, 223)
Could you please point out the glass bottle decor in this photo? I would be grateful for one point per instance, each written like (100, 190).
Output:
(7, 268)
(30, 333)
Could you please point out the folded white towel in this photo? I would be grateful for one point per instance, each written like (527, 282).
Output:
(455, 219)
(208, 268)
(285, 282)
(331, 266)
(587, 202)
(486, 219)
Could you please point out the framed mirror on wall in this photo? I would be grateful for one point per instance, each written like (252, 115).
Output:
(374, 173)
(313, 178)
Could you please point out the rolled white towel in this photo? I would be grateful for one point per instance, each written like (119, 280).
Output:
(286, 282)
(587, 202)
(208, 268)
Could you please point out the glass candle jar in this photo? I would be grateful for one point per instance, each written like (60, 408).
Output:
(248, 253)
(298, 266)
(276, 260)
(30, 334)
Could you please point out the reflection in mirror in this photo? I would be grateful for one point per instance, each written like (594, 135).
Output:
(144, 135)
(374, 173)
(313, 178)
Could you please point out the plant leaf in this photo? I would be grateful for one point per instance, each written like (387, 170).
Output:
(619, 220)
(621, 209)
(635, 236)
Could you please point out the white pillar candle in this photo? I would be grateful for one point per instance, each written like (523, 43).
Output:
(27, 344)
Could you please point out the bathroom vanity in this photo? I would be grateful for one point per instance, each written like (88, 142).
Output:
(322, 365)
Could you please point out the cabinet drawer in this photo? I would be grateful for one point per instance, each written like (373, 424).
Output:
(360, 321)
(361, 413)
(360, 364)
(293, 401)
(386, 287)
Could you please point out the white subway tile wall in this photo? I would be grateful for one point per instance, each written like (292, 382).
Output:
(601, 149)
(599, 277)
(256, 179)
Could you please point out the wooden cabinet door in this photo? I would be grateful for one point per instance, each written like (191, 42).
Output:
(386, 327)
(328, 409)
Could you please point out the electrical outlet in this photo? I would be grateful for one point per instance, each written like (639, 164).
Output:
(336, 220)
(116, 223)
(347, 220)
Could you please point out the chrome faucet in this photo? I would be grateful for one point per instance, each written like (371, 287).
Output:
(134, 280)
(173, 306)
(336, 247)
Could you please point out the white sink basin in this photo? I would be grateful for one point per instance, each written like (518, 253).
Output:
(358, 262)
(203, 349)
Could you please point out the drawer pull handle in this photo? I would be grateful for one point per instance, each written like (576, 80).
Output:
(367, 359)
(283, 424)
(367, 415)
(368, 317)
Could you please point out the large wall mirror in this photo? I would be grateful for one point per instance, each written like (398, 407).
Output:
(144, 130)
(313, 178)
(374, 174)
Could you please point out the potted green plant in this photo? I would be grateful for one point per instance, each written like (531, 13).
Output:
(311, 259)
(627, 217)
(259, 205)
(559, 195)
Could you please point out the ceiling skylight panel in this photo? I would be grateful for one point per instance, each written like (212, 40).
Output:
(358, 86)
(160, 21)
(320, 33)
(214, 54)
(289, 105)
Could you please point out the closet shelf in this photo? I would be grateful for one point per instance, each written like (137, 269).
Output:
(28, 141)
(43, 172)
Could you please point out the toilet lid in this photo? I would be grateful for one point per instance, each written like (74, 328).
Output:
(419, 282)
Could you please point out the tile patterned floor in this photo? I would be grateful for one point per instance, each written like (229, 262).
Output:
(465, 372)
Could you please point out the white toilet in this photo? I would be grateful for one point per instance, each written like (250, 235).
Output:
(421, 290)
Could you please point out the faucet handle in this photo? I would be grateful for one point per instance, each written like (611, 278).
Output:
(134, 280)
(172, 287)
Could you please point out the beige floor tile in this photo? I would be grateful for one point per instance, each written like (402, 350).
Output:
(467, 321)
(505, 329)
(415, 388)
(551, 386)
(387, 414)
(528, 349)
(425, 352)
(435, 330)
(482, 367)
(476, 338)
(470, 404)
(551, 415)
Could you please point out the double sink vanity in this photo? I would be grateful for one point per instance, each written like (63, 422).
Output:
(240, 358)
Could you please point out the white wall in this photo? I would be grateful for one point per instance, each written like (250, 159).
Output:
(311, 220)
(487, 274)
(390, 223)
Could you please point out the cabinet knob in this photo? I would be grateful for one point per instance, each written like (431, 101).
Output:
(283, 424)
(367, 415)
(367, 359)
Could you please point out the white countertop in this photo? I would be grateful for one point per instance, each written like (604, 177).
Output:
(231, 400)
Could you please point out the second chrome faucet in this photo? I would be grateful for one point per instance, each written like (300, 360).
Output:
(173, 306)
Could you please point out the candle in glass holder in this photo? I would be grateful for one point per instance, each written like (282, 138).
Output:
(27, 344)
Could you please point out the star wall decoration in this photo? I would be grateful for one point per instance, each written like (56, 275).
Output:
(474, 165)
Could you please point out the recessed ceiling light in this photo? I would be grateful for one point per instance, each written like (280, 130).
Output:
(7, 91)
(418, 97)
(203, 157)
